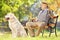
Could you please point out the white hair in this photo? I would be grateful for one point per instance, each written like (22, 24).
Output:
(15, 26)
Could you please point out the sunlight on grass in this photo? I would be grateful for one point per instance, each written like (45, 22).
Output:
(7, 36)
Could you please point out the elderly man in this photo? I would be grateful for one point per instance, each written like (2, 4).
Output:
(42, 20)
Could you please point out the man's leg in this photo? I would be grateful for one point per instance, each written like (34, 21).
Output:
(31, 31)
(40, 28)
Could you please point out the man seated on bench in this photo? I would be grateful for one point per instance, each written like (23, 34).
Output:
(44, 15)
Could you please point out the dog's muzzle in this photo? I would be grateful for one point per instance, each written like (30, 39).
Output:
(7, 18)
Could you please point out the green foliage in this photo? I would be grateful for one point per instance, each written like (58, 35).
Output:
(19, 7)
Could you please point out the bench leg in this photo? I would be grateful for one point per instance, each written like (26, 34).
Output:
(49, 34)
(50, 29)
(55, 32)
(42, 32)
(26, 31)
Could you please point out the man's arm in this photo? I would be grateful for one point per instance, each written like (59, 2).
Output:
(52, 14)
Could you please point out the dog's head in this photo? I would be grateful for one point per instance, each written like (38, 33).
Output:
(9, 16)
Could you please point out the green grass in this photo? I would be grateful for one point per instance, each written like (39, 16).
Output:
(7, 36)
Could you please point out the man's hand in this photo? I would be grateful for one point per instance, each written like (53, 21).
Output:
(54, 17)
(34, 19)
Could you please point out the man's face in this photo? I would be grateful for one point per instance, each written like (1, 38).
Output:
(43, 6)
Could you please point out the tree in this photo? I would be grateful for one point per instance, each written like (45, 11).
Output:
(19, 7)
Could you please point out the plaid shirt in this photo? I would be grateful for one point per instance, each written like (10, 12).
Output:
(43, 15)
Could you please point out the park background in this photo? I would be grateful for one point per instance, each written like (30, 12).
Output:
(25, 10)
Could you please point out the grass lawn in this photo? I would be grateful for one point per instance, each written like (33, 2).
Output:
(7, 36)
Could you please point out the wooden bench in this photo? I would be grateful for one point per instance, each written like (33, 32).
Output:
(52, 26)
